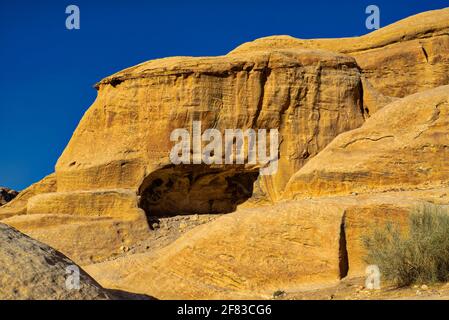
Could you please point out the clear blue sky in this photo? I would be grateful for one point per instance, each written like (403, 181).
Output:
(47, 72)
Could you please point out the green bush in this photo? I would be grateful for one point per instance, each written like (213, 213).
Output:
(420, 254)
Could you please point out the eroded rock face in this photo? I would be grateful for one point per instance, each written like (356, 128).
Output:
(115, 174)
(19, 205)
(6, 195)
(86, 226)
(309, 242)
(197, 189)
(122, 144)
(240, 254)
(404, 146)
(32, 270)
(251, 253)
(398, 60)
(310, 96)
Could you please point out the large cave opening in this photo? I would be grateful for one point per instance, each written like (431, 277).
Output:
(196, 189)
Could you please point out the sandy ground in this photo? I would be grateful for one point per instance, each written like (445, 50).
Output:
(353, 289)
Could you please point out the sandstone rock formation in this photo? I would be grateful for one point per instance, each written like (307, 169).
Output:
(403, 146)
(7, 195)
(400, 59)
(81, 224)
(121, 146)
(301, 244)
(237, 255)
(18, 206)
(299, 92)
(363, 126)
(251, 253)
(32, 270)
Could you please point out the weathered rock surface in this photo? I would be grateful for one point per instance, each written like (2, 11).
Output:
(251, 253)
(32, 270)
(87, 226)
(122, 144)
(403, 146)
(19, 204)
(115, 174)
(400, 59)
(239, 254)
(6, 195)
(309, 95)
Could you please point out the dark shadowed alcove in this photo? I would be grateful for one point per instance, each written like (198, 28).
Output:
(196, 189)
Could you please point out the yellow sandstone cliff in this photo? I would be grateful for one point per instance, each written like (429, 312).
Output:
(363, 126)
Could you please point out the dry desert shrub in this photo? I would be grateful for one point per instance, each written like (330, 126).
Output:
(420, 254)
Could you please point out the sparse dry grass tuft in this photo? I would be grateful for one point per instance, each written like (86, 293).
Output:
(420, 255)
